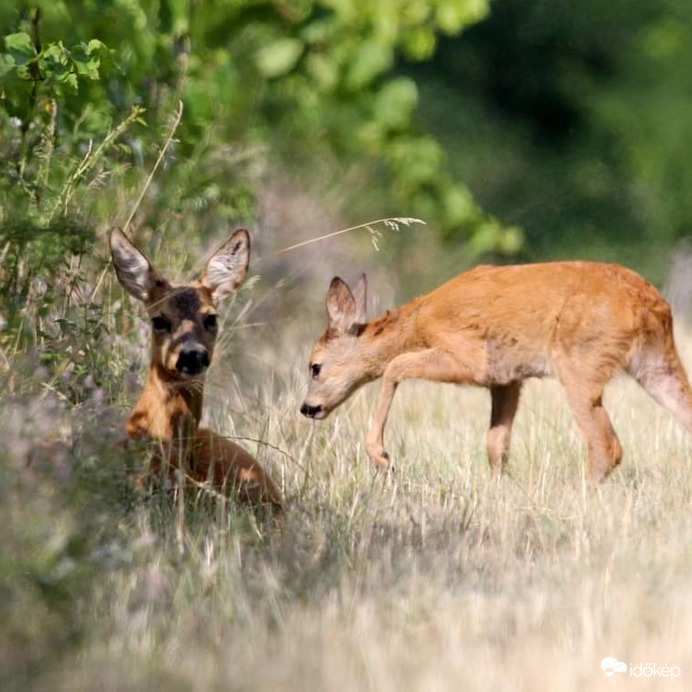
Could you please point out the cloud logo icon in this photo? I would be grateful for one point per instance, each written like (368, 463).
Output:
(611, 665)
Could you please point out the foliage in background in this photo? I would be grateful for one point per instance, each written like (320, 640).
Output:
(311, 81)
(573, 120)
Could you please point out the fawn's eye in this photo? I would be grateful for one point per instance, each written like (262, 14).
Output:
(210, 322)
(315, 369)
(161, 324)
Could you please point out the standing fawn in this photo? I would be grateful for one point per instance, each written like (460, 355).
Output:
(184, 329)
(497, 326)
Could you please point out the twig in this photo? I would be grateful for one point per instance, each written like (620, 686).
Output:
(390, 222)
(162, 153)
(91, 158)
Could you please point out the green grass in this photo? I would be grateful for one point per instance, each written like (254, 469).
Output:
(438, 577)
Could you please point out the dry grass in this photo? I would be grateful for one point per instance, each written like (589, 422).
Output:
(437, 578)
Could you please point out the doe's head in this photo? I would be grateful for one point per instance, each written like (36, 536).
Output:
(336, 368)
(183, 318)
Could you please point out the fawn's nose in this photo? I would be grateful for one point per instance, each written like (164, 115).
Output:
(192, 362)
(310, 411)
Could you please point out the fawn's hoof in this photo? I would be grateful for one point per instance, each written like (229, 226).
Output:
(379, 456)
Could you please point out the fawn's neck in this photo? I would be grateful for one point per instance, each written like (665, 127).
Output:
(388, 336)
(167, 407)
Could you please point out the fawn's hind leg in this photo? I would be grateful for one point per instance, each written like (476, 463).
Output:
(585, 398)
(505, 401)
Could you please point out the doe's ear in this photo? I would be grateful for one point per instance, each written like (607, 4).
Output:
(360, 295)
(341, 306)
(135, 272)
(227, 268)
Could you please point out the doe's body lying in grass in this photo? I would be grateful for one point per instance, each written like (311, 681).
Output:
(497, 326)
(184, 330)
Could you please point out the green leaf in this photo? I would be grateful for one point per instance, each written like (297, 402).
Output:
(485, 238)
(95, 46)
(323, 70)
(55, 63)
(55, 53)
(84, 62)
(395, 103)
(418, 160)
(175, 17)
(511, 241)
(371, 59)
(20, 43)
(87, 69)
(70, 81)
(280, 57)
(419, 43)
(7, 64)
(20, 47)
(459, 206)
(453, 15)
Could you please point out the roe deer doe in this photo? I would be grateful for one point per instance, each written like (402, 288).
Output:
(496, 326)
(184, 329)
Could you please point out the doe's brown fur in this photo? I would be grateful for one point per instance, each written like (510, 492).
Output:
(184, 332)
(497, 326)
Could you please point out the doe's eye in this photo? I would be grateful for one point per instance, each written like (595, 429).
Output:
(315, 369)
(210, 322)
(161, 324)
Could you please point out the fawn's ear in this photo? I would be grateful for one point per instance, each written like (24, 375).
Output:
(227, 268)
(341, 306)
(360, 295)
(135, 272)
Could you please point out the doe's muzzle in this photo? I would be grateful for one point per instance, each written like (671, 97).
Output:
(192, 362)
(310, 411)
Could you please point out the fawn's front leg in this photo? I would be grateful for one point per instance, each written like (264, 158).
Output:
(430, 364)
(374, 442)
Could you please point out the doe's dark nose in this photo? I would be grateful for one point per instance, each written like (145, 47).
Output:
(310, 411)
(192, 362)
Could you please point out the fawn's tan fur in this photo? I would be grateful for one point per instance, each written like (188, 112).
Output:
(496, 326)
(169, 408)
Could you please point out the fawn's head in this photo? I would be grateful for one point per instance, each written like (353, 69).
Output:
(335, 369)
(183, 318)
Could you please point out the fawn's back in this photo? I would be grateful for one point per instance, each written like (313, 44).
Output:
(514, 322)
